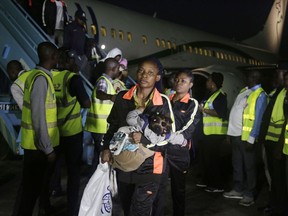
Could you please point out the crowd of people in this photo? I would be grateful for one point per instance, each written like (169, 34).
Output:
(51, 97)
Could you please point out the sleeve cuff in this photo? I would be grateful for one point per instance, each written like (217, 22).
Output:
(251, 140)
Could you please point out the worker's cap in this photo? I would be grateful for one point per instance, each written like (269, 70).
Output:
(80, 14)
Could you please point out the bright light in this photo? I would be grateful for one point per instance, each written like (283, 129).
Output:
(103, 46)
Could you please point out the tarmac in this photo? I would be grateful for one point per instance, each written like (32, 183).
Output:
(198, 202)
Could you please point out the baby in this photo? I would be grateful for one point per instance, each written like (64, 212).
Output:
(157, 128)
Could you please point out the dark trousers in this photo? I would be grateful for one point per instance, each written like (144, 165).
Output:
(276, 165)
(37, 172)
(177, 170)
(211, 159)
(244, 168)
(137, 199)
(178, 181)
(160, 199)
(72, 148)
(97, 137)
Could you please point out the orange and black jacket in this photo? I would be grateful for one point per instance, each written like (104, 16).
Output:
(185, 113)
(153, 166)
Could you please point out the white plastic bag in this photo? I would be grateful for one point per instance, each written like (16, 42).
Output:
(97, 196)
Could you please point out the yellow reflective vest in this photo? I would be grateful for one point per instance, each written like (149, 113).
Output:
(277, 118)
(96, 121)
(212, 124)
(285, 148)
(20, 81)
(28, 138)
(249, 114)
(68, 108)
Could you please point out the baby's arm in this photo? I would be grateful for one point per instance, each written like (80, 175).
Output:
(133, 117)
(177, 139)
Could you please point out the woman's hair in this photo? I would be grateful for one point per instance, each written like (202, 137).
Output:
(158, 84)
(188, 73)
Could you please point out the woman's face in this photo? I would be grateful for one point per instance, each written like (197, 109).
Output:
(182, 83)
(147, 74)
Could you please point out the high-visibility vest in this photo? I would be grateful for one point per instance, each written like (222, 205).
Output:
(96, 121)
(213, 124)
(277, 118)
(20, 81)
(28, 138)
(249, 113)
(285, 147)
(68, 108)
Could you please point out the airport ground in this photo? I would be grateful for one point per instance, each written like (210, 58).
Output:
(198, 202)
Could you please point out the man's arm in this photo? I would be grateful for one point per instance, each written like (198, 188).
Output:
(259, 110)
(76, 88)
(104, 96)
(38, 112)
(17, 94)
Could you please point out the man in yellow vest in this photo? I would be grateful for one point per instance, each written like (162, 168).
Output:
(17, 75)
(71, 96)
(40, 135)
(285, 147)
(269, 138)
(215, 124)
(244, 125)
(103, 97)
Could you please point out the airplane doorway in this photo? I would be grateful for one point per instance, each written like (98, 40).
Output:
(199, 91)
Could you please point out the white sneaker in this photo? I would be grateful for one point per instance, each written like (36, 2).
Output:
(233, 195)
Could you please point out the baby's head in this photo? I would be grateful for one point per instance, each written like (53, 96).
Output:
(160, 124)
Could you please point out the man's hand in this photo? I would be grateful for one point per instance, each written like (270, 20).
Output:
(106, 156)
(136, 137)
(51, 157)
(249, 147)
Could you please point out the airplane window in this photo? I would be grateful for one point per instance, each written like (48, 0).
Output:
(144, 39)
(157, 42)
(196, 50)
(217, 55)
(129, 36)
(93, 29)
(174, 46)
(244, 60)
(200, 51)
(103, 31)
(209, 53)
(222, 55)
(237, 59)
(190, 49)
(121, 34)
(113, 33)
(233, 58)
(205, 52)
(163, 43)
(184, 47)
(169, 44)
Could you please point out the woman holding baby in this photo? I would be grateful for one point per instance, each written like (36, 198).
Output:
(137, 189)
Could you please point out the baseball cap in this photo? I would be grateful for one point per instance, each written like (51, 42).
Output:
(81, 15)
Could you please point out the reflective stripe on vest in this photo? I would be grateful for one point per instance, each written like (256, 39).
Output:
(68, 108)
(285, 147)
(96, 121)
(20, 81)
(213, 124)
(249, 113)
(277, 118)
(28, 138)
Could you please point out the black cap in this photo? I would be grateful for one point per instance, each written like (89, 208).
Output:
(80, 14)
(217, 78)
